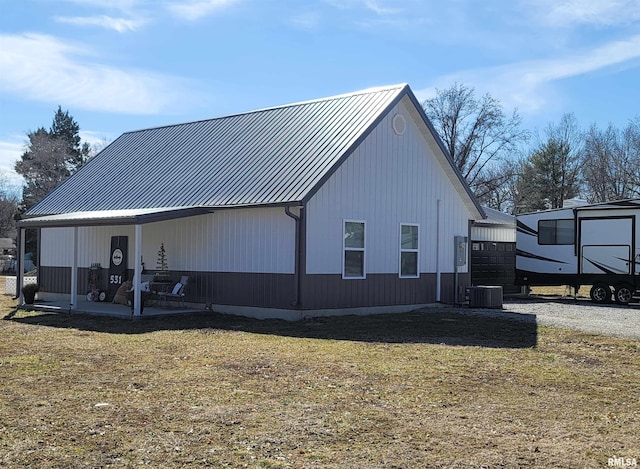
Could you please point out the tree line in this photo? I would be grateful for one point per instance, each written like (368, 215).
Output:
(507, 167)
(515, 171)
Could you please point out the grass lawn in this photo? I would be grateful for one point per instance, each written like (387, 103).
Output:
(436, 389)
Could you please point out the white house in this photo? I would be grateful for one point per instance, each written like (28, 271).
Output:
(349, 202)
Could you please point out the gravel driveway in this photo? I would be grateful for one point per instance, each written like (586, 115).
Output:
(580, 314)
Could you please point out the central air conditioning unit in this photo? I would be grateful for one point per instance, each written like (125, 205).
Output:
(483, 296)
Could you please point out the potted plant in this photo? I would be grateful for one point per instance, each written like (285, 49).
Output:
(29, 292)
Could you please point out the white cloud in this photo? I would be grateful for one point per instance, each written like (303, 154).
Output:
(10, 152)
(572, 12)
(306, 21)
(97, 141)
(122, 5)
(120, 25)
(195, 9)
(379, 7)
(529, 85)
(44, 68)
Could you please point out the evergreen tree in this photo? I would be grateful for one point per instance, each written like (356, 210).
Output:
(551, 175)
(49, 158)
(65, 127)
(43, 166)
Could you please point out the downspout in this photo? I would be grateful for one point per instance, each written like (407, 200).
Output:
(73, 294)
(296, 272)
(438, 273)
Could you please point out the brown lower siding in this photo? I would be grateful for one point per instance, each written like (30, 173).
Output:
(244, 289)
(55, 279)
(229, 288)
(277, 290)
(331, 291)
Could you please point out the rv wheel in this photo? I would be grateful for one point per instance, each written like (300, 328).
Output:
(623, 293)
(600, 293)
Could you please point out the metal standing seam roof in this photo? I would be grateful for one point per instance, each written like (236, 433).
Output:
(271, 156)
(495, 218)
(610, 205)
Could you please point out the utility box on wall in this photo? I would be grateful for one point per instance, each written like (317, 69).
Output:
(461, 250)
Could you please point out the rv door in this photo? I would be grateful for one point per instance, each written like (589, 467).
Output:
(606, 246)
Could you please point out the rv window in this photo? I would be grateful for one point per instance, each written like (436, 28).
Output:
(556, 232)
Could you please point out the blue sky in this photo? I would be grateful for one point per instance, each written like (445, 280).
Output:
(120, 65)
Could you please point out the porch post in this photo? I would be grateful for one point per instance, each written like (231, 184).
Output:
(73, 303)
(438, 272)
(20, 265)
(137, 273)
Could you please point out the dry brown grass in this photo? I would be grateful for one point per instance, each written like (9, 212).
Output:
(560, 291)
(414, 390)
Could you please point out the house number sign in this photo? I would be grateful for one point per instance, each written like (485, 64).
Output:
(117, 264)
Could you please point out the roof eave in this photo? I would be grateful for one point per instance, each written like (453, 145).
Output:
(98, 218)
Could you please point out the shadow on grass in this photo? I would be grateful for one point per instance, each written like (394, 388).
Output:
(455, 327)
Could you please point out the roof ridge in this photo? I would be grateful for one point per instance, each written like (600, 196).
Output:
(375, 89)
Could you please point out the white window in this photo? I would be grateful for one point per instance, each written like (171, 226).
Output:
(409, 251)
(353, 259)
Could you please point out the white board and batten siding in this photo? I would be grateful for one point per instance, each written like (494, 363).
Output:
(494, 233)
(240, 240)
(374, 185)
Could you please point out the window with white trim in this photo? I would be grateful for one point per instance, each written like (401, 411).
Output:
(353, 259)
(409, 250)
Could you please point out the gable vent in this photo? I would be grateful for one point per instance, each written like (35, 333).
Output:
(398, 124)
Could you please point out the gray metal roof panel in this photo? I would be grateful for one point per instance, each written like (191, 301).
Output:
(267, 157)
(496, 217)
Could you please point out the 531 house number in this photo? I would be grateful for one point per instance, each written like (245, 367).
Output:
(115, 279)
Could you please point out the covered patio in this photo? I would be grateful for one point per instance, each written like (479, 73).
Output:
(76, 300)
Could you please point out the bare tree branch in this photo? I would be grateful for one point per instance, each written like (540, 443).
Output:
(476, 132)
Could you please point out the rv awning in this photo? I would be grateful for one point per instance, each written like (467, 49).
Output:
(113, 217)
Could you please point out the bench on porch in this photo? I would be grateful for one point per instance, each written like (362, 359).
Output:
(176, 294)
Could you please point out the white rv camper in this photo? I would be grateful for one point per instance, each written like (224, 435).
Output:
(597, 245)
